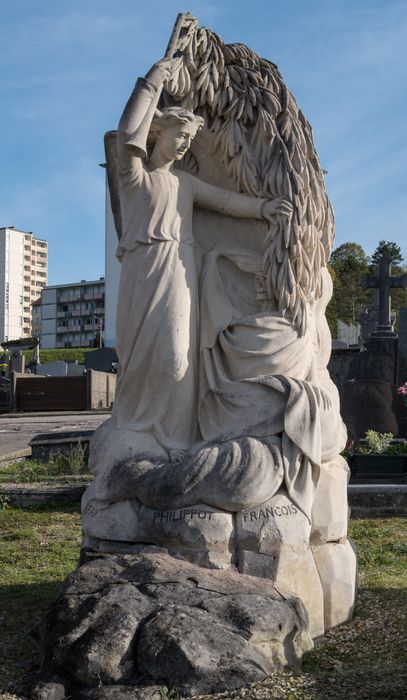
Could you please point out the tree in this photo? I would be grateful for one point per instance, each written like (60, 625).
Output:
(347, 265)
(387, 249)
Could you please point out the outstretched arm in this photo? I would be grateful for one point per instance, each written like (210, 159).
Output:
(236, 204)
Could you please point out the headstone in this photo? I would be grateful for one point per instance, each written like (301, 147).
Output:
(56, 368)
(75, 370)
(339, 345)
(402, 348)
(348, 333)
(102, 360)
(369, 396)
(385, 282)
(17, 361)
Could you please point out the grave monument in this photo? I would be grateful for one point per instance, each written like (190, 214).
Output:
(215, 531)
(368, 391)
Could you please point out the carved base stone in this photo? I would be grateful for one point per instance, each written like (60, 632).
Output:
(150, 618)
(273, 543)
(330, 512)
(337, 569)
(201, 534)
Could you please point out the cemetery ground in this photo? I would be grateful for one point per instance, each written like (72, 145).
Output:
(364, 659)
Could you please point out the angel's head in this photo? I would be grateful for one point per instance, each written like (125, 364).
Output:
(173, 130)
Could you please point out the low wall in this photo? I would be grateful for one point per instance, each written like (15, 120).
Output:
(91, 391)
(101, 389)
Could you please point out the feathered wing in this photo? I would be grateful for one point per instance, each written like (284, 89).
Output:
(267, 148)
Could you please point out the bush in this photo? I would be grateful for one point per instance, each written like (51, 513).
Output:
(65, 354)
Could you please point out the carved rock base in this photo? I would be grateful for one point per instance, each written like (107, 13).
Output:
(273, 540)
(152, 619)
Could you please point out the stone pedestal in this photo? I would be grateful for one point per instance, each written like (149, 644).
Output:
(151, 619)
(201, 534)
(273, 541)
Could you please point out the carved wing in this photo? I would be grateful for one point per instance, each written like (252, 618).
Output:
(267, 148)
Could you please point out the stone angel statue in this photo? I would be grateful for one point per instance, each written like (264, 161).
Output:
(225, 418)
(158, 313)
(222, 295)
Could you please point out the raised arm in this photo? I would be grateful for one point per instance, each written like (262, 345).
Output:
(139, 110)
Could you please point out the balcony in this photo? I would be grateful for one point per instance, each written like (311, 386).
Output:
(68, 297)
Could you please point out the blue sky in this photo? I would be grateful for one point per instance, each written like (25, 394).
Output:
(68, 66)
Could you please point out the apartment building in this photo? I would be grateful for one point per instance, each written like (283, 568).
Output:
(23, 274)
(72, 315)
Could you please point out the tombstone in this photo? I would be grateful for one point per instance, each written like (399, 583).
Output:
(75, 370)
(339, 344)
(101, 360)
(402, 348)
(17, 361)
(368, 318)
(56, 368)
(368, 393)
(348, 334)
(384, 282)
(216, 473)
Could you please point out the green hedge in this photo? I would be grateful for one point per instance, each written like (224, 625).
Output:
(52, 354)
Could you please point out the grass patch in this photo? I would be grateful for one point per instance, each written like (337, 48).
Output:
(64, 467)
(39, 548)
(362, 659)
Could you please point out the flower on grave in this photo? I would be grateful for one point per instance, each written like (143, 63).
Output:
(376, 443)
(402, 391)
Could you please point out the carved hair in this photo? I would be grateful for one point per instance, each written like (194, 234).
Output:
(170, 116)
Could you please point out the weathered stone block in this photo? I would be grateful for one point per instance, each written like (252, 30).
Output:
(202, 534)
(290, 567)
(330, 512)
(337, 569)
(276, 522)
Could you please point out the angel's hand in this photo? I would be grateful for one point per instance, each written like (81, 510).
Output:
(163, 69)
(280, 205)
(323, 398)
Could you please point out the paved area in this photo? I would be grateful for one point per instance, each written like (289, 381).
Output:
(16, 430)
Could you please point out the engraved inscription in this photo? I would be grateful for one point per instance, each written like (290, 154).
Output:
(173, 516)
(269, 512)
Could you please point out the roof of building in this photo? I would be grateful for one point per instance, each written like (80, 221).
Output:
(19, 230)
(82, 283)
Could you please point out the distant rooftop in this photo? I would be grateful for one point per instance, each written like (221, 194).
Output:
(74, 284)
(19, 230)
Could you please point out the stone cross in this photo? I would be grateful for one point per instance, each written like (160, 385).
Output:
(385, 282)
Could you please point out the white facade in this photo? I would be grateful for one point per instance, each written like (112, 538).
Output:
(72, 315)
(23, 273)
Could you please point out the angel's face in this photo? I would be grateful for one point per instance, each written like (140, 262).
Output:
(174, 141)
